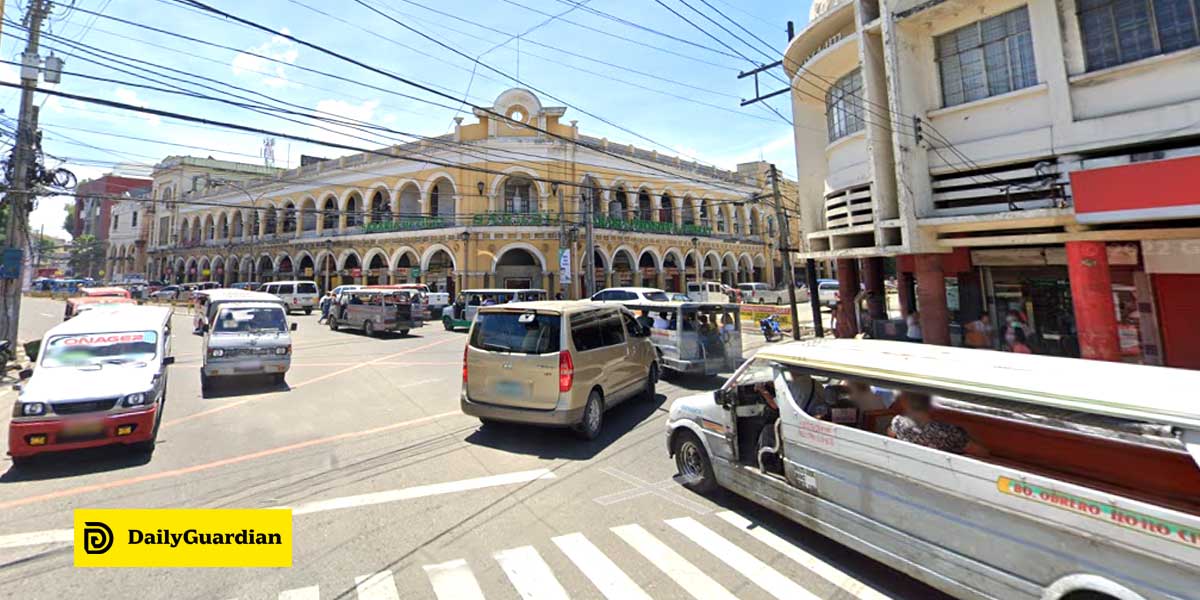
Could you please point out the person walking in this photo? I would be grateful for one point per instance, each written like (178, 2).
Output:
(326, 303)
(913, 327)
(979, 332)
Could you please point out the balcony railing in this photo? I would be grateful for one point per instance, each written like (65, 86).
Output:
(644, 226)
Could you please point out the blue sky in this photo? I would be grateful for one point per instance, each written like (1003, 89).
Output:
(695, 114)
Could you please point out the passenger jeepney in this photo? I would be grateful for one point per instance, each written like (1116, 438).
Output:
(79, 304)
(462, 313)
(98, 379)
(1084, 481)
(378, 309)
(693, 337)
(245, 333)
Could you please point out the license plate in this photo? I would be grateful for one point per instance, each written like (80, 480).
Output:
(248, 365)
(82, 428)
(509, 388)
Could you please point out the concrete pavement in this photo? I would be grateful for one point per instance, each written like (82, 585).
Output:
(407, 497)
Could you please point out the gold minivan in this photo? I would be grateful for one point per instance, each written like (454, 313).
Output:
(557, 363)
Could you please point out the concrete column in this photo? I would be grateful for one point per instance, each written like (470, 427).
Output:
(1091, 293)
(872, 275)
(931, 299)
(970, 296)
(905, 286)
(847, 275)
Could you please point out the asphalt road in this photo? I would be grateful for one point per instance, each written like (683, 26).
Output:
(515, 511)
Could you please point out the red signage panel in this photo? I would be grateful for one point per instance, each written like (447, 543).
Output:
(1160, 189)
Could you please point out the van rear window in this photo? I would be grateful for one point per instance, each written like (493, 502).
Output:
(523, 333)
(307, 288)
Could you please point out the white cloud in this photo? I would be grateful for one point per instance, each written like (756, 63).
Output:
(129, 96)
(275, 75)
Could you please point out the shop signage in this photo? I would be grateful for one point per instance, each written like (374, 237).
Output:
(1172, 256)
(414, 272)
(308, 271)
(10, 263)
(205, 272)
(356, 272)
(1096, 509)
(564, 265)
(1141, 191)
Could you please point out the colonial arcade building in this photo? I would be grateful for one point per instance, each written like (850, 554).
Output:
(366, 218)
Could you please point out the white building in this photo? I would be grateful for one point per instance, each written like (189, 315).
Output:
(1033, 155)
(127, 237)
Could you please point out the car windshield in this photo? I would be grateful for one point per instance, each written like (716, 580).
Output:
(250, 320)
(525, 333)
(83, 350)
(658, 297)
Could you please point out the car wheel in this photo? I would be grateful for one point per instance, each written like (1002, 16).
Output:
(368, 329)
(651, 379)
(691, 461)
(279, 378)
(447, 324)
(147, 447)
(22, 462)
(589, 426)
(205, 383)
(308, 310)
(403, 332)
(333, 324)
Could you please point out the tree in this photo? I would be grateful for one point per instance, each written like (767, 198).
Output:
(86, 255)
(69, 218)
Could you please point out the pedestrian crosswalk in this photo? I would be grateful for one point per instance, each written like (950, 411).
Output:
(528, 572)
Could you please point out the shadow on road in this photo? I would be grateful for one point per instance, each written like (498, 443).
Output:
(58, 465)
(698, 383)
(545, 442)
(242, 385)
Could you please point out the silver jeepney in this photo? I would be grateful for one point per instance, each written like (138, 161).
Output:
(246, 337)
(1114, 515)
(693, 337)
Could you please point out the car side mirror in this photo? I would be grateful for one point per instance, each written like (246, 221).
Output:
(724, 397)
(25, 374)
(294, 326)
(168, 360)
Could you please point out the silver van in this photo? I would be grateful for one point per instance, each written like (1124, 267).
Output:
(246, 338)
(298, 295)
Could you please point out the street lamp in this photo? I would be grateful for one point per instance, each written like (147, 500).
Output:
(699, 259)
(329, 251)
(466, 238)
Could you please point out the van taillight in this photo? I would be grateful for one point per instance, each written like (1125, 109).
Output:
(566, 371)
(465, 348)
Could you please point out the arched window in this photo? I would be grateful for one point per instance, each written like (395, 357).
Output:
(354, 210)
(518, 195)
(329, 214)
(844, 107)
(704, 214)
(618, 204)
(381, 207)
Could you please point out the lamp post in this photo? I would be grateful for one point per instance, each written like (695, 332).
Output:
(329, 256)
(466, 238)
(699, 260)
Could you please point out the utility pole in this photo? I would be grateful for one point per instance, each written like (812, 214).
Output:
(785, 247)
(590, 252)
(562, 243)
(814, 300)
(23, 155)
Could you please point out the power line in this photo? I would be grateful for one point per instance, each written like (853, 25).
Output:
(639, 26)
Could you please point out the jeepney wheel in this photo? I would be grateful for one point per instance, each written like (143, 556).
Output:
(589, 426)
(308, 310)
(692, 463)
(21, 462)
(449, 325)
(333, 325)
(278, 378)
(403, 332)
(651, 379)
(147, 447)
(205, 384)
(368, 329)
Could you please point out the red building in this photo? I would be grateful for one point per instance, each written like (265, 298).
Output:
(94, 200)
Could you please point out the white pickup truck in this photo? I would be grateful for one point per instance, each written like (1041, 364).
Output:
(435, 301)
(761, 293)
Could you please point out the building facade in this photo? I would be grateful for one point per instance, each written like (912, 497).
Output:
(1033, 158)
(94, 202)
(127, 237)
(496, 205)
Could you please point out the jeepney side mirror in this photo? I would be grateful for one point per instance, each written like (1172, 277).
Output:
(724, 397)
(168, 360)
(293, 326)
(25, 374)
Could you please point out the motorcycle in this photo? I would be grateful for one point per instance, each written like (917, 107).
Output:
(770, 328)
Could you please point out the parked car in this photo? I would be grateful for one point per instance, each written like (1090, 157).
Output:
(249, 286)
(827, 291)
(630, 294)
(678, 297)
(298, 295)
(468, 302)
(707, 291)
(98, 379)
(556, 363)
(170, 292)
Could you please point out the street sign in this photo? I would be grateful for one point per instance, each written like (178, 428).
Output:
(564, 265)
(10, 263)
(414, 272)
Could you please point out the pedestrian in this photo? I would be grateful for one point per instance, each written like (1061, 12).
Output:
(913, 327)
(1015, 338)
(558, 296)
(326, 303)
(979, 332)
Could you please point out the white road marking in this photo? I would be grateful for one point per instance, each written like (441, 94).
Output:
(311, 592)
(376, 586)
(453, 581)
(690, 578)
(823, 569)
(421, 491)
(67, 536)
(604, 573)
(767, 578)
(530, 574)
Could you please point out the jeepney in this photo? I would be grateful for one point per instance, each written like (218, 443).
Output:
(693, 337)
(1078, 478)
(98, 379)
(245, 333)
(378, 309)
(461, 314)
(79, 304)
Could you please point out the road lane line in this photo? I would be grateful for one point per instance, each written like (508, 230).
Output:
(530, 574)
(66, 536)
(311, 592)
(757, 571)
(602, 571)
(319, 378)
(421, 491)
(377, 586)
(821, 568)
(684, 573)
(107, 485)
(453, 581)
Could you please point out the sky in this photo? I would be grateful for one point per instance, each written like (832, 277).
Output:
(683, 98)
